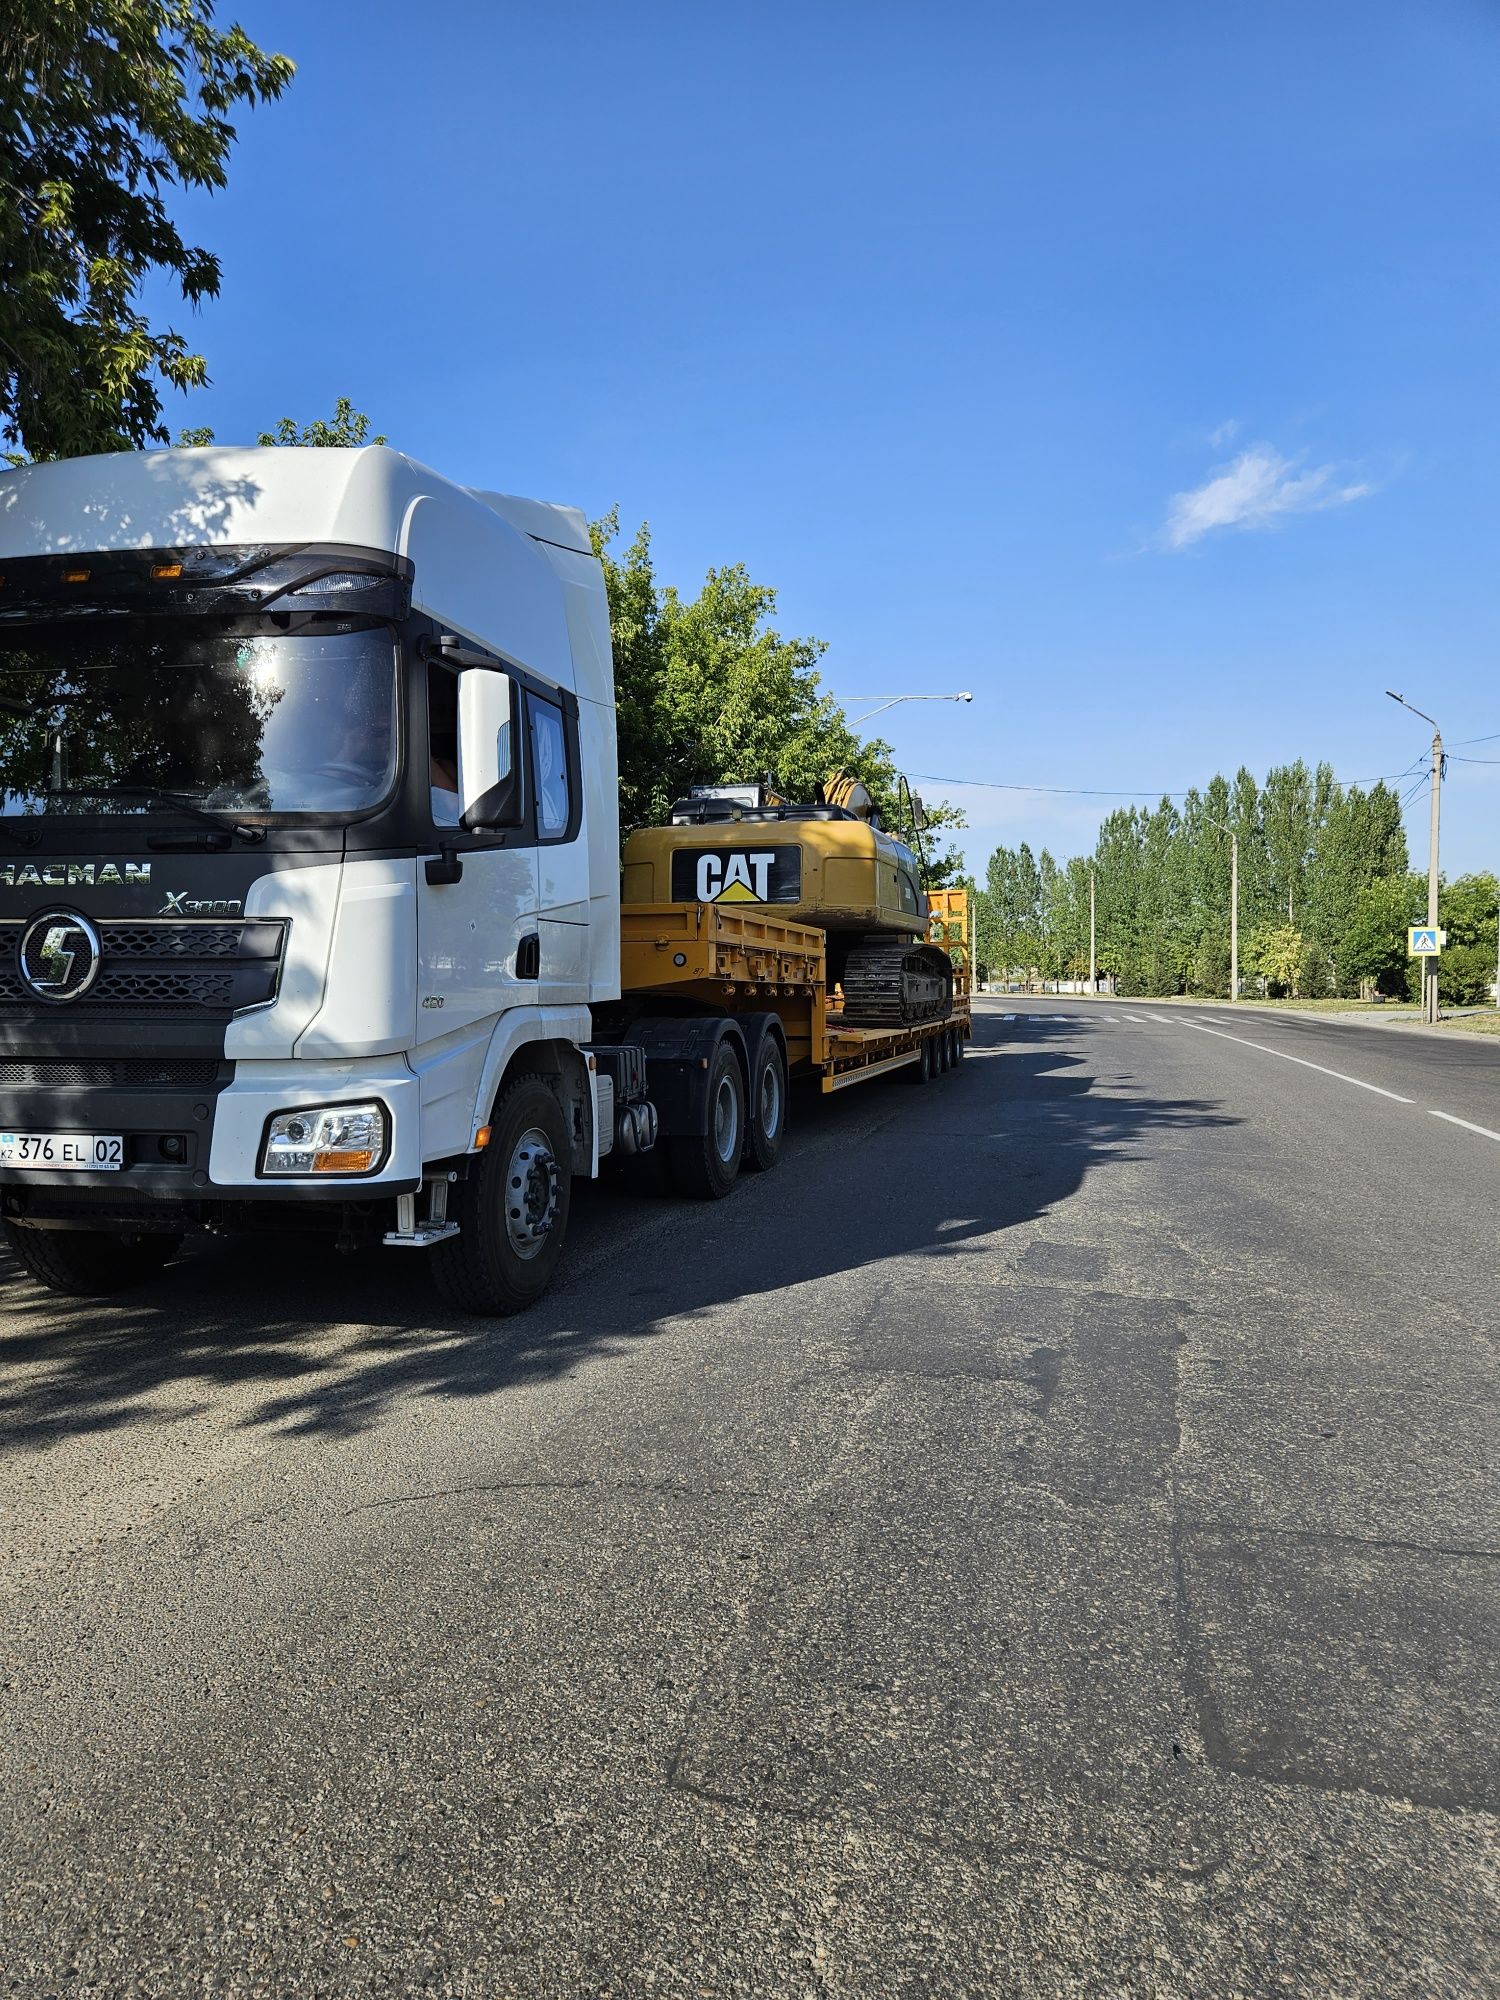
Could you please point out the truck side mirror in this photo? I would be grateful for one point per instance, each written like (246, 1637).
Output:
(489, 760)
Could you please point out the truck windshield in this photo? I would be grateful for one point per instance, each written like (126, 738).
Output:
(289, 714)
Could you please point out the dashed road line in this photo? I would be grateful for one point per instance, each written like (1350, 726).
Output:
(1302, 1062)
(1483, 1130)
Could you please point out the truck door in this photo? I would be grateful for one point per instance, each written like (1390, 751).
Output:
(478, 942)
(562, 848)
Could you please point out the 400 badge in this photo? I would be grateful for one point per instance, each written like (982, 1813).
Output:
(737, 875)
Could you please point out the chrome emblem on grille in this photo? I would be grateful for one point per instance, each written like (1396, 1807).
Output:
(59, 956)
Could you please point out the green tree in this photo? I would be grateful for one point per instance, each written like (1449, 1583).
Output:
(346, 429)
(1288, 817)
(1277, 952)
(1467, 912)
(106, 106)
(709, 692)
(1373, 951)
(1008, 915)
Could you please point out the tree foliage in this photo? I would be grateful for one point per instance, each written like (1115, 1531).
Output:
(346, 429)
(106, 106)
(709, 692)
(1322, 869)
(1276, 953)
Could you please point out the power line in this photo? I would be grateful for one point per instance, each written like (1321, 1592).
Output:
(1110, 792)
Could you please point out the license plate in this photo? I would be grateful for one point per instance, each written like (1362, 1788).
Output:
(83, 1152)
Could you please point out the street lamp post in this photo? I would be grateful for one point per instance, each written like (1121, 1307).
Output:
(1093, 957)
(1430, 965)
(1220, 826)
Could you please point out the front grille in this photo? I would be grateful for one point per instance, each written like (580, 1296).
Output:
(203, 970)
(120, 1073)
(178, 940)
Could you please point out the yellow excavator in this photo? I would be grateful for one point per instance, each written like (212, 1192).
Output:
(828, 864)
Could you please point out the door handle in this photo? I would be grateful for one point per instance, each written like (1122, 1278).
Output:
(529, 957)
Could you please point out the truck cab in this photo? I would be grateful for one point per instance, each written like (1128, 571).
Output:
(309, 864)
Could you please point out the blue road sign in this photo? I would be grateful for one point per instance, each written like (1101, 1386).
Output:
(1423, 941)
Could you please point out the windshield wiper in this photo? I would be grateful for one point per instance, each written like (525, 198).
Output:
(253, 834)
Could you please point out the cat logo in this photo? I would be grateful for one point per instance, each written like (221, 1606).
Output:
(737, 875)
(733, 878)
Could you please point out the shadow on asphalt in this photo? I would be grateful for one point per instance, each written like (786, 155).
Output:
(1006, 1139)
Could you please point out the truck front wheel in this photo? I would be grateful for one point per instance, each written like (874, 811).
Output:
(88, 1263)
(512, 1211)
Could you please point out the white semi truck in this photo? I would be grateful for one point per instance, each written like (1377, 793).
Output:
(310, 882)
(309, 864)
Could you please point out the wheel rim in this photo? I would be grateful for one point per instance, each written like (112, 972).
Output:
(726, 1119)
(530, 1193)
(770, 1099)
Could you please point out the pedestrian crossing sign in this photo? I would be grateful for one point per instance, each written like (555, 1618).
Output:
(1424, 941)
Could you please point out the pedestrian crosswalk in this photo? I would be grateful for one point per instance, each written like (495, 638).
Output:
(1091, 1018)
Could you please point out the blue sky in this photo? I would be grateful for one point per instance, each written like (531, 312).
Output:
(1134, 367)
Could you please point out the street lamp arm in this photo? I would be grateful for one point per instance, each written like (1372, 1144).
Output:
(1413, 707)
(891, 701)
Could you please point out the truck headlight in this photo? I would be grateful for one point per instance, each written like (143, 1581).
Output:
(326, 1139)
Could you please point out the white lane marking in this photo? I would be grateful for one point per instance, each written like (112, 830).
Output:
(1114, 1018)
(1303, 1063)
(1165, 1019)
(1056, 1017)
(1483, 1130)
(1007, 1017)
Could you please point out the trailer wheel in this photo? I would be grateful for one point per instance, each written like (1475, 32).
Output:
(767, 1106)
(960, 1044)
(707, 1164)
(922, 1070)
(512, 1212)
(89, 1263)
(943, 1051)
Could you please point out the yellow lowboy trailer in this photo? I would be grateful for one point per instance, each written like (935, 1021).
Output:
(736, 959)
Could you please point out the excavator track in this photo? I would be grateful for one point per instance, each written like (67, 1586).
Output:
(896, 982)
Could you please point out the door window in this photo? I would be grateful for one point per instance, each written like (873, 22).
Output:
(549, 769)
(442, 743)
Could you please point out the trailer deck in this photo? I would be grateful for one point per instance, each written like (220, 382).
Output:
(727, 958)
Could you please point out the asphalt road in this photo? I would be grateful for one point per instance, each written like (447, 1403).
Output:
(1039, 1541)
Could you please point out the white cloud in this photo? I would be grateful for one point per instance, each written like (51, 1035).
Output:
(1253, 492)
(1227, 432)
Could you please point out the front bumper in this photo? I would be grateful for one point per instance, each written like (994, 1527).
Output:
(187, 1149)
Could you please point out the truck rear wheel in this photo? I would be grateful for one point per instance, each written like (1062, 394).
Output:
(707, 1164)
(89, 1263)
(512, 1211)
(767, 1106)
